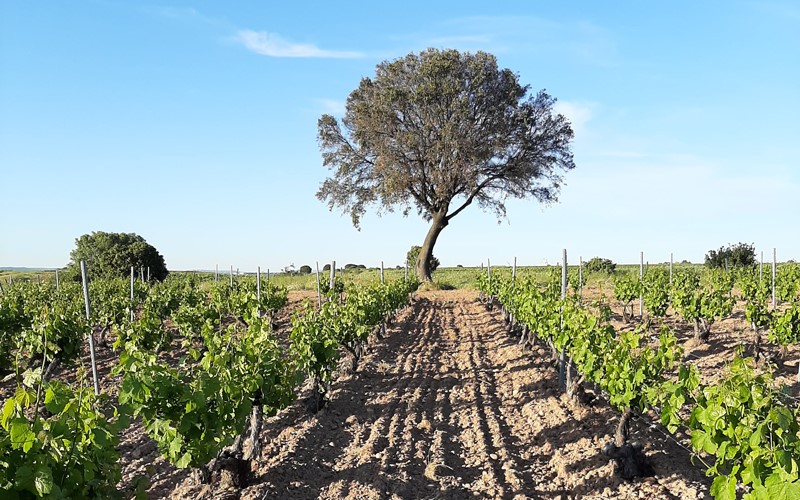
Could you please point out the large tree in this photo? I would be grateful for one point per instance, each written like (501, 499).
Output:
(437, 131)
(111, 255)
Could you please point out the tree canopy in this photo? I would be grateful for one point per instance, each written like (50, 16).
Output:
(435, 132)
(111, 255)
(739, 255)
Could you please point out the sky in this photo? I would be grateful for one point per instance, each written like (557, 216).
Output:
(194, 125)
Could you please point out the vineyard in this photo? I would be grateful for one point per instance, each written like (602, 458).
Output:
(531, 386)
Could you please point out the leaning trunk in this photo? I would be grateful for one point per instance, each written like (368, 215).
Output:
(756, 342)
(702, 329)
(438, 222)
(256, 420)
(621, 435)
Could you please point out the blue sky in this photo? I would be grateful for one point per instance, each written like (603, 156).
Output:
(193, 124)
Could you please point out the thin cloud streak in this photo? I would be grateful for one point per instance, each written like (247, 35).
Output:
(583, 41)
(577, 113)
(332, 106)
(273, 45)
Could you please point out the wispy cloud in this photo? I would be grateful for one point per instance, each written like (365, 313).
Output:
(681, 189)
(782, 10)
(577, 113)
(464, 42)
(583, 41)
(189, 15)
(332, 106)
(273, 45)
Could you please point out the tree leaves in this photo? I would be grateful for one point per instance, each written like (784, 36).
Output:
(439, 130)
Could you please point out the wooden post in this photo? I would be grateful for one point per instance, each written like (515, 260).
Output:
(641, 276)
(216, 273)
(405, 276)
(132, 304)
(381, 272)
(774, 272)
(489, 271)
(319, 291)
(670, 267)
(562, 359)
(57, 282)
(230, 276)
(761, 267)
(148, 274)
(38, 279)
(333, 273)
(580, 276)
(514, 272)
(258, 284)
(85, 281)
(141, 273)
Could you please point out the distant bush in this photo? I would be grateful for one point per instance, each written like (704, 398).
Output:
(600, 265)
(411, 258)
(304, 270)
(739, 255)
(355, 266)
(326, 267)
(111, 255)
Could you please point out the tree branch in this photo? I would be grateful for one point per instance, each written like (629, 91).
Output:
(472, 196)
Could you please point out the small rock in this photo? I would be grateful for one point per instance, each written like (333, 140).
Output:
(351, 420)
(294, 485)
(493, 456)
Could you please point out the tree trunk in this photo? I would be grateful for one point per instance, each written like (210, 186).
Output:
(756, 342)
(438, 222)
(621, 436)
(256, 420)
(702, 330)
(524, 337)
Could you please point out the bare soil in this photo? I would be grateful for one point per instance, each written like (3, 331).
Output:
(448, 406)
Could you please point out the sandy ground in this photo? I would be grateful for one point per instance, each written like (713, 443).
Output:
(449, 406)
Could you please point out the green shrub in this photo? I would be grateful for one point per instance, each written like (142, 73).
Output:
(599, 265)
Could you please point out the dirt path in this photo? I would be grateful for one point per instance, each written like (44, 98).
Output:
(449, 406)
